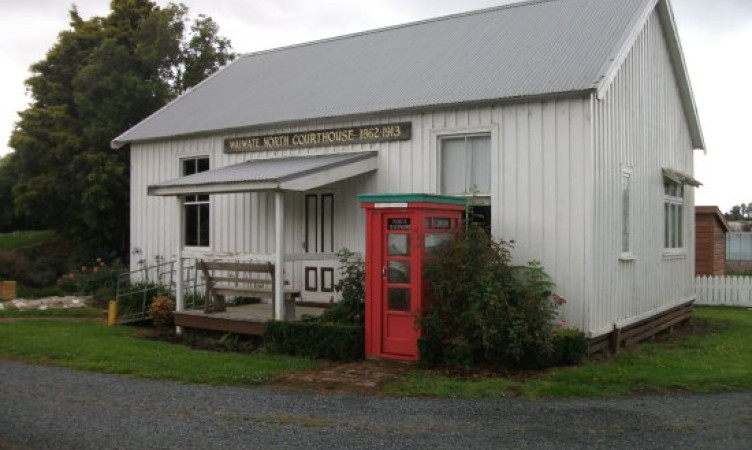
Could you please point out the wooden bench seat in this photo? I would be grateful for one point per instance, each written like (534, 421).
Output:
(249, 280)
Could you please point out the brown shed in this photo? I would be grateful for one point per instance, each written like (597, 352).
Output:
(710, 234)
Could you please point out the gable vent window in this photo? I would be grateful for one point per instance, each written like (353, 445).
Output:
(195, 207)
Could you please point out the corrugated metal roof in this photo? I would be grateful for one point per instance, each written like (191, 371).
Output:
(525, 49)
(256, 174)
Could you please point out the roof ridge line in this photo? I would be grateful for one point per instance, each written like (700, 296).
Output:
(395, 27)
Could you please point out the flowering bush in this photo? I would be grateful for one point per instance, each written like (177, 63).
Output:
(95, 277)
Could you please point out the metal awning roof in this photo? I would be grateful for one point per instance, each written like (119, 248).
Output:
(281, 174)
(680, 177)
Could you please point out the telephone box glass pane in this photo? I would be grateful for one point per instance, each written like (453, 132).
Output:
(399, 245)
(398, 299)
(434, 239)
(399, 272)
(442, 223)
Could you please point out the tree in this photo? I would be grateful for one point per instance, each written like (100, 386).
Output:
(9, 221)
(740, 212)
(100, 78)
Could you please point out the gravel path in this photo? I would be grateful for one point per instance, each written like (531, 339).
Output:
(53, 408)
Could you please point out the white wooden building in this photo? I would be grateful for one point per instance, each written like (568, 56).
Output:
(574, 119)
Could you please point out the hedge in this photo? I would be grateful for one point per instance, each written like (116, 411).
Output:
(569, 348)
(315, 340)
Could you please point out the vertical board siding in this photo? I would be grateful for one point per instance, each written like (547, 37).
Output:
(725, 291)
(641, 124)
(538, 180)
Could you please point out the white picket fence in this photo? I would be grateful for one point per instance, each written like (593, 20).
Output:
(730, 291)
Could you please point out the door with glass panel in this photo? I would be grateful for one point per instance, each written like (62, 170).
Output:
(399, 331)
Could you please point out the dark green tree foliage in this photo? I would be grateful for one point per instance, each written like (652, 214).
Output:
(740, 212)
(9, 221)
(483, 309)
(205, 53)
(101, 77)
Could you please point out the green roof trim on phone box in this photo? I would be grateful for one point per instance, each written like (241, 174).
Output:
(412, 198)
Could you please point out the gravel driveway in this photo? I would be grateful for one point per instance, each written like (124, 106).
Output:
(53, 408)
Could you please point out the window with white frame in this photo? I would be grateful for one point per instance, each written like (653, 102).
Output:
(466, 170)
(673, 209)
(626, 228)
(195, 207)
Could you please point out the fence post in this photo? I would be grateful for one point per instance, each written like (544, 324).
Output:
(112, 313)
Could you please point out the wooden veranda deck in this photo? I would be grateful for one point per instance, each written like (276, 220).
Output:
(244, 319)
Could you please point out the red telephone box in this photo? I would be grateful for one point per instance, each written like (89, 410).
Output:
(400, 228)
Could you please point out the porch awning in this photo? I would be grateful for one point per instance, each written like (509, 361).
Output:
(680, 177)
(279, 174)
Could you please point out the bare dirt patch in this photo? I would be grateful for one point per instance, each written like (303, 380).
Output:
(362, 377)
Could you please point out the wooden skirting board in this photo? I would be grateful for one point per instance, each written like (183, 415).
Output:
(644, 329)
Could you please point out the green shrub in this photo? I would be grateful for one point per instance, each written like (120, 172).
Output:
(36, 261)
(194, 300)
(135, 298)
(483, 309)
(315, 340)
(570, 346)
(31, 270)
(350, 310)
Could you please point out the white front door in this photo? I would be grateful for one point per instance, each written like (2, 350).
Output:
(319, 237)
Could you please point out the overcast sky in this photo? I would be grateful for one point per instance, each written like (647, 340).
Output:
(716, 36)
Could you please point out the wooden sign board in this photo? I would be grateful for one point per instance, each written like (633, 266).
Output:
(321, 138)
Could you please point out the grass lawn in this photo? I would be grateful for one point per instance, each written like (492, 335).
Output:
(52, 312)
(718, 361)
(20, 239)
(32, 292)
(88, 345)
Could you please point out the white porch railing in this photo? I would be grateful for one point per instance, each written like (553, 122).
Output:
(729, 291)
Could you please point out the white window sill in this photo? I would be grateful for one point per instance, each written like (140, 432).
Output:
(627, 256)
(674, 254)
(195, 251)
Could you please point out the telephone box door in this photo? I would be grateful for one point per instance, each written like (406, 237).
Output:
(399, 271)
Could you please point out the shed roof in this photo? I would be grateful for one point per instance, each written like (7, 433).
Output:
(530, 49)
(715, 212)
